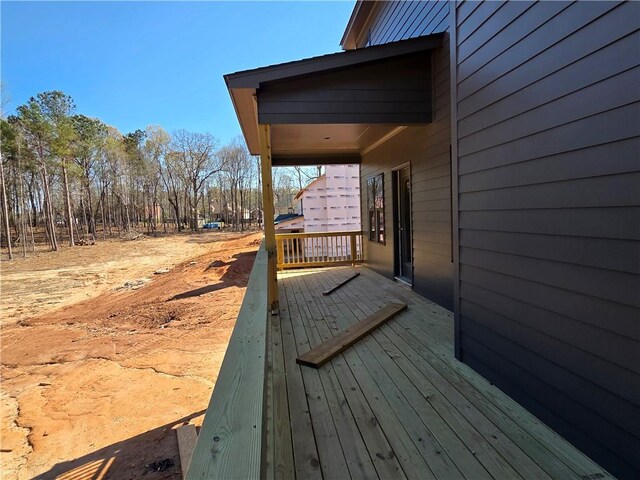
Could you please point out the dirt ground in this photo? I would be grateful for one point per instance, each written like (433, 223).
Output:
(108, 348)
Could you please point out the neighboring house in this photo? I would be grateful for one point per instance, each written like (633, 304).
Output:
(331, 203)
(289, 223)
(499, 147)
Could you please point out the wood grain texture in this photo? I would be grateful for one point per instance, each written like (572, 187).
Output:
(269, 227)
(230, 441)
(321, 354)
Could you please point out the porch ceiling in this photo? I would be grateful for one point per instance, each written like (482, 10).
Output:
(331, 109)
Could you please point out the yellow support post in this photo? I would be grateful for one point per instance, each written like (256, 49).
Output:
(268, 209)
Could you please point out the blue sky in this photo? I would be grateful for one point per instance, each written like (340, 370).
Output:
(133, 64)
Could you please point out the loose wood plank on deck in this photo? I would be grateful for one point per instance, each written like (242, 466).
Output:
(344, 282)
(318, 356)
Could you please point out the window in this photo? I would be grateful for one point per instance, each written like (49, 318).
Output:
(375, 205)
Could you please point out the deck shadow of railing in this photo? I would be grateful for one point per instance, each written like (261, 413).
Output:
(121, 460)
(233, 276)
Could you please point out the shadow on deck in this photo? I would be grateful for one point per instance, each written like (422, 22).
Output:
(396, 404)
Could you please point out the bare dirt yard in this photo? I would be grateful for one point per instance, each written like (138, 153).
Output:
(106, 349)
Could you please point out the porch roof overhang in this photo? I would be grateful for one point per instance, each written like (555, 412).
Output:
(332, 108)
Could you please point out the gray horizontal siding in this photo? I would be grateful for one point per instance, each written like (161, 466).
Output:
(389, 91)
(399, 20)
(426, 149)
(621, 319)
(548, 120)
(558, 409)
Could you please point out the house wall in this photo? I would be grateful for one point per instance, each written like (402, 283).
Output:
(548, 126)
(399, 20)
(331, 203)
(426, 149)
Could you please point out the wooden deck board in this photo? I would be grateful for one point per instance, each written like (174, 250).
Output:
(305, 452)
(386, 465)
(356, 453)
(482, 443)
(280, 434)
(442, 436)
(406, 445)
(327, 441)
(538, 461)
(397, 403)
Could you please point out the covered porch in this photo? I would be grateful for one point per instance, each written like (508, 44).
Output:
(331, 109)
(397, 404)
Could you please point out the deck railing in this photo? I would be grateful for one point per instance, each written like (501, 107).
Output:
(321, 249)
(230, 443)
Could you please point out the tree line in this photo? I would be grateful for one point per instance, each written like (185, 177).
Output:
(67, 177)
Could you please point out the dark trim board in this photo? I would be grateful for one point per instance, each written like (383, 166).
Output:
(312, 160)
(254, 78)
(388, 91)
(455, 182)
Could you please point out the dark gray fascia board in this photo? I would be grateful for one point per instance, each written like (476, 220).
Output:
(285, 160)
(358, 18)
(254, 77)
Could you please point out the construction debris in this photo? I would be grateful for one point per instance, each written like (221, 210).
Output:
(324, 352)
(134, 284)
(344, 282)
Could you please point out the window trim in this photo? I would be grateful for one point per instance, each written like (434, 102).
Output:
(376, 214)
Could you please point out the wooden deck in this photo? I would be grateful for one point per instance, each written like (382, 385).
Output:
(396, 404)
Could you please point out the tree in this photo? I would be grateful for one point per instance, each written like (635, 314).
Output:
(38, 132)
(156, 148)
(57, 108)
(7, 142)
(90, 137)
(195, 154)
(236, 167)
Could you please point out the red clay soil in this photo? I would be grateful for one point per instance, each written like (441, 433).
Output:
(94, 389)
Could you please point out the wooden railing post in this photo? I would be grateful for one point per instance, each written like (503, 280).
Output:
(267, 206)
(280, 246)
(353, 249)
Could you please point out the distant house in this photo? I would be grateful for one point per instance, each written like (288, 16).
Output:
(289, 223)
(331, 203)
